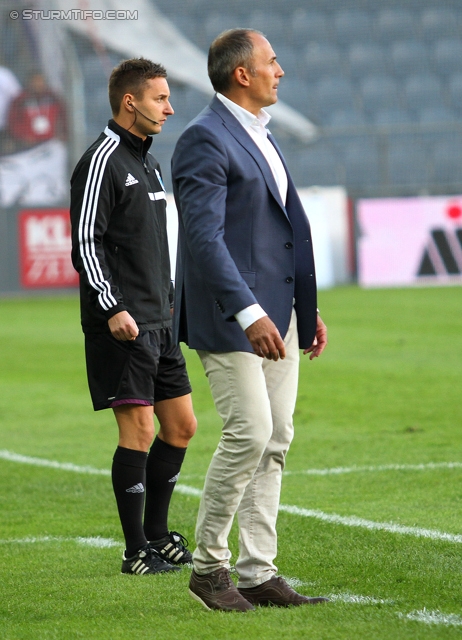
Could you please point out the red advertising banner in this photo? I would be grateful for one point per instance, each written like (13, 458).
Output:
(45, 249)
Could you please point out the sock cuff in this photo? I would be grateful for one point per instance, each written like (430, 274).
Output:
(167, 452)
(130, 457)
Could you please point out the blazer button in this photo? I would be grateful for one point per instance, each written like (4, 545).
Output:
(288, 245)
(289, 279)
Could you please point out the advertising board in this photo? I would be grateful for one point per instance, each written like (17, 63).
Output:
(410, 241)
(45, 249)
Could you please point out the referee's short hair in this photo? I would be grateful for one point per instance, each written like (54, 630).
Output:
(231, 49)
(130, 76)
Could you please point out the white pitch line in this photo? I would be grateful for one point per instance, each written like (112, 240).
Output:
(333, 518)
(335, 471)
(97, 541)
(188, 491)
(433, 617)
(422, 615)
(354, 521)
(429, 466)
(69, 466)
(348, 598)
(351, 598)
(105, 543)
(40, 462)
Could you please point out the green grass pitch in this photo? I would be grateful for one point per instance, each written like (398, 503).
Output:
(380, 406)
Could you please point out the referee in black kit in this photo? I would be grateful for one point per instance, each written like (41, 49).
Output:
(119, 248)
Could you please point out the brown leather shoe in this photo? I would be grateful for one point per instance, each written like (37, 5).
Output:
(216, 590)
(277, 592)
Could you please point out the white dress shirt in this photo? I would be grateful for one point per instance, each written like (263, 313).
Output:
(256, 128)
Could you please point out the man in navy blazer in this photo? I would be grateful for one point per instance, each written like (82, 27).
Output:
(245, 299)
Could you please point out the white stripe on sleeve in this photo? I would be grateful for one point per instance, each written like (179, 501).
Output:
(87, 222)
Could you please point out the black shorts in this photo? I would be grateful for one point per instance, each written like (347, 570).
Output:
(142, 371)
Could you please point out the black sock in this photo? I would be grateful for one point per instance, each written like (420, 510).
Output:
(129, 481)
(162, 470)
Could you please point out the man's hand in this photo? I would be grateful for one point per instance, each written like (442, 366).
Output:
(320, 340)
(123, 327)
(266, 339)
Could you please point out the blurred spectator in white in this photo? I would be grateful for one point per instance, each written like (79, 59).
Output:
(10, 88)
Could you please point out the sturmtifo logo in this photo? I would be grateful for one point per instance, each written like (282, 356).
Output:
(130, 180)
(175, 478)
(137, 488)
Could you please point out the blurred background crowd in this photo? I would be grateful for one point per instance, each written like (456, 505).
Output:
(380, 81)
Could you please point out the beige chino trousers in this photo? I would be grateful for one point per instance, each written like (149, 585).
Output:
(255, 398)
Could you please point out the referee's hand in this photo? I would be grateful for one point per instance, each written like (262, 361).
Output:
(123, 327)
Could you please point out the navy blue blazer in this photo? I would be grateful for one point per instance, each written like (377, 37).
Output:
(237, 243)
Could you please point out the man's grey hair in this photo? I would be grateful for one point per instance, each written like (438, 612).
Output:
(231, 49)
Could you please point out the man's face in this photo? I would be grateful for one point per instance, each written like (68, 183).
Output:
(263, 85)
(37, 84)
(155, 105)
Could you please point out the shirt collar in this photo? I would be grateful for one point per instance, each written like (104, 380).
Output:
(246, 118)
(137, 145)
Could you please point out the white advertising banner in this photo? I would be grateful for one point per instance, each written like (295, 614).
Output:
(327, 211)
(410, 241)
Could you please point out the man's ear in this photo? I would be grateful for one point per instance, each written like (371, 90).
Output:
(127, 102)
(242, 76)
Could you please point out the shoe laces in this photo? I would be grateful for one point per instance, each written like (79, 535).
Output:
(225, 578)
(151, 555)
(178, 539)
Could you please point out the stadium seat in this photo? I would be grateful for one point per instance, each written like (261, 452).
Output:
(215, 23)
(447, 56)
(395, 23)
(391, 116)
(379, 92)
(98, 112)
(439, 22)
(317, 165)
(272, 24)
(307, 26)
(361, 164)
(333, 93)
(430, 115)
(423, 90)
(409, 56)
(322, 59)
(188, 25)
(177, 94)
(176, 124)
(346, 118)
(455, 91)
(297, 94)
(288, 58)
(195, 101)
(93, 72)
(408, 163)
(366, 58)
(447, 162)
(352, 25)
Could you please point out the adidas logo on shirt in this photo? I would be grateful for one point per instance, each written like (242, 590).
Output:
(175, 478)
(130, 180)
(137, 488)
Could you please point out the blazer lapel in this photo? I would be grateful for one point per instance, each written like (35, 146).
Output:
(276, 146)
(292, 194)
(240, 134)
